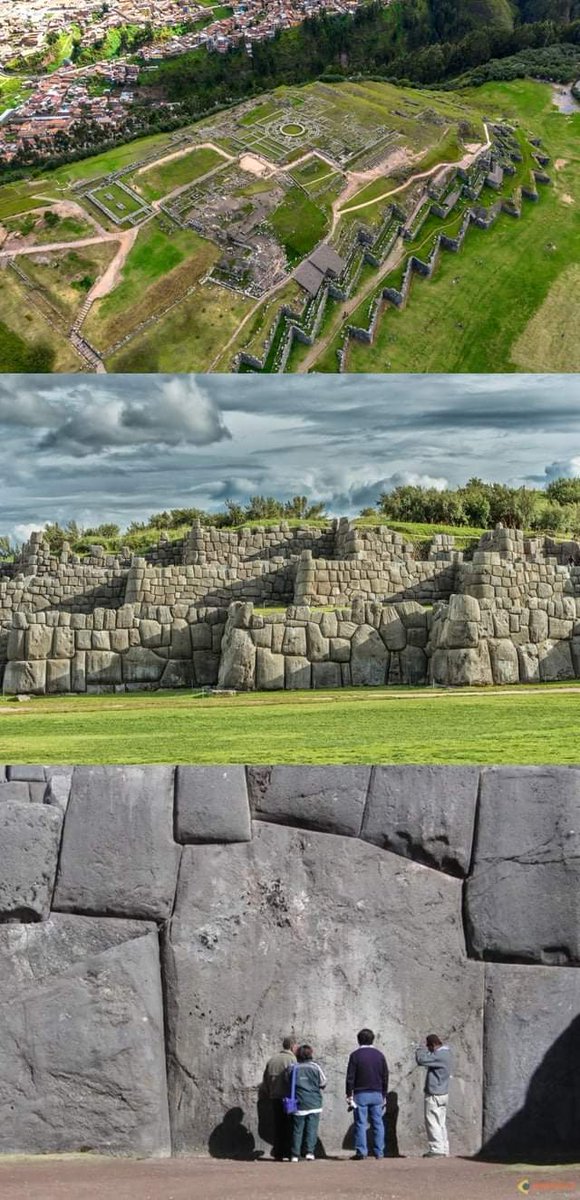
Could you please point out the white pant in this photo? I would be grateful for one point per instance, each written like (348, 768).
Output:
(436, 1124)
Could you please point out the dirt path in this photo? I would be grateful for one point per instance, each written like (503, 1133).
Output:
(46, 247)
(159, 162)
(68, 704)
(464, 162)
(328, 1179)
(110, 278)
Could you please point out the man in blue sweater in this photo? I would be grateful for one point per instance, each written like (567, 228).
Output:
(367, 1082)
(436, 1057)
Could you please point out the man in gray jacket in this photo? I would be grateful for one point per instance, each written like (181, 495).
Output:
(437, 1059)
(274, 1089)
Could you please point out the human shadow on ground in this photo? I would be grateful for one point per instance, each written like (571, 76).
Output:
(231, 1138)
(390, 1121)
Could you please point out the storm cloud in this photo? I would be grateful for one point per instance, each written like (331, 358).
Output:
(117, 448)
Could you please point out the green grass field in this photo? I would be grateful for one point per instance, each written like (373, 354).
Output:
(298, 224)
(158, 180)
(504, 302)
(517, 725)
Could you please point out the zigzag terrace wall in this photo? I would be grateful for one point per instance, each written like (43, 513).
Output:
(373, 615)
(491, 169)
(163, 928)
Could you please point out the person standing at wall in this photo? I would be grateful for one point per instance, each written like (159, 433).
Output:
(309, 1083)
(367, 1082)
(274, 1090)
(436, 1057)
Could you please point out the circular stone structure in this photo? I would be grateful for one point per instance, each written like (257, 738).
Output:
(292, 129)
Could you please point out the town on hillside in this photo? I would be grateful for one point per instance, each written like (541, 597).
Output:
(43, 49)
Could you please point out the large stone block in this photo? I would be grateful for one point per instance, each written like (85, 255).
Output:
(392, 630)
(504, 661)
(522, 897)
(211, 805)
(38, 641)
(555, 661)
(118, 855)
(81, 1038)
(102, 666)
(469, 668)
(326, 675)
(205, 667)
(531, 1061)
(338, 934)
(139, 665)
(269, 670)
(369, 658)
(238, 659)
(414, 666)
(297, 672)
(21, 678)
(29, 842)
(425, 813)
(331, 799)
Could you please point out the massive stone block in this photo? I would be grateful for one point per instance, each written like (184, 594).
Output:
(531, 1063)
(425, 813)
(23, 677)
(238, 660)
(522, 898)
(82, 1062)
(369, 658)
(212, 805)
(317, 934)
(29, 842)
(118, 854)
(331, 799)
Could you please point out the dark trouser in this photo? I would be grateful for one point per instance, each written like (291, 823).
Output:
(282, 1131)
(304, 1130)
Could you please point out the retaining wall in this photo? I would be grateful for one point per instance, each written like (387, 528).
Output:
(163, 928)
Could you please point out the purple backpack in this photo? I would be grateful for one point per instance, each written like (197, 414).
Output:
(290, 1102)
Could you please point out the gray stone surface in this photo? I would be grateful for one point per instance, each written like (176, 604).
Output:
(424, 813)
(555, 661)
(522, 897)
(316, 934)
(29, 843)
(369, 658)
(81, 1038)
(238, 659)
(331, 799)
(531, 1064)
(211, 805)
(15, 790)
(118, 854)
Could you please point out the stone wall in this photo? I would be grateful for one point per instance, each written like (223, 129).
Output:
(206, 544)
(130, 648)
(368, 644)
(163, 928)
(324, 581)
(510, 614)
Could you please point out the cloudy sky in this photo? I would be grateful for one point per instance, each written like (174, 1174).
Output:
(117, 448)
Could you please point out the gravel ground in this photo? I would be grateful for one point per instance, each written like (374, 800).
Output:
(85, 1178)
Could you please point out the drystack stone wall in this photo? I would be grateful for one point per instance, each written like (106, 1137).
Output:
(511, 614)
(163, 928)
(460, 643)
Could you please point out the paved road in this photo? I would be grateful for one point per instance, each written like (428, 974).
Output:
(187, 1179)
